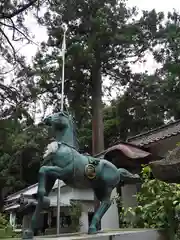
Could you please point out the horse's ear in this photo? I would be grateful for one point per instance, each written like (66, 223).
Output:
(65, 113)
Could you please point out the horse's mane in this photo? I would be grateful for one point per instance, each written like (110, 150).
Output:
(74, 128)
(73, 124)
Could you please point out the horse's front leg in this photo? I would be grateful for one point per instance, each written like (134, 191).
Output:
(53, 171)
(43, 174)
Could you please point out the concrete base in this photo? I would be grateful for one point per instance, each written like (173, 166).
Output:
(144, 234)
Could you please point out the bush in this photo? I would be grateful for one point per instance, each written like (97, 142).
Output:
(3, 221)
(75, 213)
(158, 206)
(6, 230)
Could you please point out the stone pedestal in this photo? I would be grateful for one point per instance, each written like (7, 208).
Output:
(144, 234)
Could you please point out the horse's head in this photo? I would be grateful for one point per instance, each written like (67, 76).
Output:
(59, 120)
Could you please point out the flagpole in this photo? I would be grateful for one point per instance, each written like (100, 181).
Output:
(64, 27)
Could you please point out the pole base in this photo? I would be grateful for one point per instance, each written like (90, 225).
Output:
(28, 234)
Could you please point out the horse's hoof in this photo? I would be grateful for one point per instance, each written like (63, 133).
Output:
(27, 234)
(92, 230)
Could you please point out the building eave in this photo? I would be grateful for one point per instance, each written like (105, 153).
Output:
(29, 191)
(155, 135)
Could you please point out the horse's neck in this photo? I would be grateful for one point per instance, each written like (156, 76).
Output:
(65, 136)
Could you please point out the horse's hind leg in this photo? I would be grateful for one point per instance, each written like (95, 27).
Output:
(104, 196)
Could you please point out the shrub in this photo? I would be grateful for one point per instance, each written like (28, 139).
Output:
(6, 230)
(75, 213)
(158, 206)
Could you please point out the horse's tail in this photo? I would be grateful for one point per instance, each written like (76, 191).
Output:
(127, 177)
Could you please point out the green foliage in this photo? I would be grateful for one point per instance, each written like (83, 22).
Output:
(3, 221)
(6, 231)
(111, 128)
(75, 214)
(112, 123)
(21, 151)
(158, 206)
(168, 55)
(140, 109)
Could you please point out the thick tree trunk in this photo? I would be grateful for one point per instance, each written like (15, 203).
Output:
(97, 114)
(97, 117)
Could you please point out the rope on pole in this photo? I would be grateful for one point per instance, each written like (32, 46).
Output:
(63, 51)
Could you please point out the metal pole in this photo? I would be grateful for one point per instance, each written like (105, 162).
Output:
(62, 107)
(62, 88)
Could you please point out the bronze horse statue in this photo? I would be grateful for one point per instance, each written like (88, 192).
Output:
(63, 161)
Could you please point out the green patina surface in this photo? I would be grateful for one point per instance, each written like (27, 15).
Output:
(64, 162)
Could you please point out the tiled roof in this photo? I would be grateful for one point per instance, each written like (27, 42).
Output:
(29, 191)
(157, 134)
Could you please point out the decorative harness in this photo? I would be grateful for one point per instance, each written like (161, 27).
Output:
(90, 168)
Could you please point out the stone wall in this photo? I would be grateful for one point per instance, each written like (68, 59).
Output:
(135, 235)
(144, 234)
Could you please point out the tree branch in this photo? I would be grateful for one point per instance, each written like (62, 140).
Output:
(17, 11)
(9, 42)
(19, 31)
(9, 71)
(10, 89)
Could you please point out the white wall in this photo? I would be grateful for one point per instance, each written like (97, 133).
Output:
(83, 194)
(111, 217)
(84, 221)
(65, 196)
(68, 193)
(128, 194)
(29, 191)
